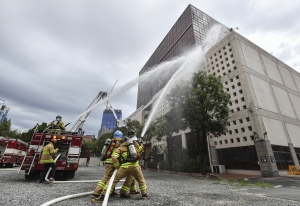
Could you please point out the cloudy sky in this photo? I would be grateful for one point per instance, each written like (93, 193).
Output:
(55, 56)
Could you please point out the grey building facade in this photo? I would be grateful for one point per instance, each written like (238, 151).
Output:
(188, 31)
(263, 135)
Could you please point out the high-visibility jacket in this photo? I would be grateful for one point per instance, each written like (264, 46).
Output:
(47, 152)
(122, 153)
(59, 124)
(118, 143)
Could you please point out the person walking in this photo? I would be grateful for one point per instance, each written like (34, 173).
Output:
(47, 159)
(88, 158)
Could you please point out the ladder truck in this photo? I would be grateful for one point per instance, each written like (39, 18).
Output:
(68, 142)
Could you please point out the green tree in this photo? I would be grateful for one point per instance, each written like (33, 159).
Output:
(204, 105)
(5, 127)
(165, 127)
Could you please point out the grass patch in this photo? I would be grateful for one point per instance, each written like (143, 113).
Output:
(263, 185)
(244, 183)
(232, 180)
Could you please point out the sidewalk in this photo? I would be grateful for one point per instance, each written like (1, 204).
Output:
(223, 176)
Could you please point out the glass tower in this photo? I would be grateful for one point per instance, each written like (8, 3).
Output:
(109, 120)
(188, 31)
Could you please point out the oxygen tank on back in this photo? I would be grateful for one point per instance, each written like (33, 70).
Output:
(132, 152)
(104, 149)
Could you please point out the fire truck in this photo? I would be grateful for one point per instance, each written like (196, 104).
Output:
(68, 143)
(12, 151)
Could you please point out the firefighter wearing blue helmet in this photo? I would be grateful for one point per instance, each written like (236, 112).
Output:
(109, 167)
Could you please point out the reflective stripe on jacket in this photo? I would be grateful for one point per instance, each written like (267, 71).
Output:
(48, 152)
(122, 152)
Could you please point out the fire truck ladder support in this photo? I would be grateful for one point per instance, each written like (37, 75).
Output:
(81, 120)
(36, 127)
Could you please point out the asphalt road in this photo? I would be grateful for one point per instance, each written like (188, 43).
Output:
(163, 189)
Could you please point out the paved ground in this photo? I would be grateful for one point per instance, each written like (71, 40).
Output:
(163, 189)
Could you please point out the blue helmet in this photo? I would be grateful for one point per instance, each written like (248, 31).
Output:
(118, 134)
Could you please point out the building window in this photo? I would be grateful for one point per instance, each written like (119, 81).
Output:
(228, 123)
(283, 156)
(243, 129)
(232, 86)
(220, 141)
(240, 120)
(250, 128)
(243, 99)
(238, 109)
(226, 82)
(238, 139)
(248, 119)
(245, 139)
(244, 107)
(231, 111)
(236, 131)
(237, 77)
(230, 132)
(231, 140)
(216, 143)
(226, 142)
(231, 80)
(234, 122)
(234, 67)
(252, 137)
(225, 53)
(234, 93)
(227, 89)
(233, 62)
(239, 83)
(241, 91)
(236, 101)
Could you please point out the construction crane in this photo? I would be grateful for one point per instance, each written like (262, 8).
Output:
(81, 120)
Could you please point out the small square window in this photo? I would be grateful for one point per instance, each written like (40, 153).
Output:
(232, 86)
(241, 91)
(231, 140)
(230, 103)
(225, 53)
(236, 101)
(227, 89)
(239, 83)
(247, 119)
(228, 123)
(250, 128)
(237, 77)
(218, 71)
(226, 142)
(231, 111)
(217, 65)
(234, 93)
(224, 48)
(243, 129)
(215, 54)
(234, 67)
(240, 120)
(228, 65)
(226, 59)
(231, 80)
(234, 122)
(216, 59)
(238, 139)
(220, 141)
(219, 51)
(223, 68)
(211, 57)
(221, 62)
(229, 70)
(212, 62)
(226, 82)
(231, 55)
(230, 132)
(245, 139)
(233, 62)
(230, 49)
(252, 137)
(244, 107)
(216, 143)
(220, 56)
(243, 99)
(238, 109)
(224, 74)
(228, 44)
(236, 131)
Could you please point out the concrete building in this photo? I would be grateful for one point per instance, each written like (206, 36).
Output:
(264, 127)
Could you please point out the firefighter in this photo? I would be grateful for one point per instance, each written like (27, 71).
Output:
(109, 168)
(58, 123)
(125, 169)
(47, 152)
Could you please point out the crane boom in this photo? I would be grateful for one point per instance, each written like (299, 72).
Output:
(81, 120)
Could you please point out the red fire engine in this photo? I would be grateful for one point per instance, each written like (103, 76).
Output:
(12, 151)
(68, 144)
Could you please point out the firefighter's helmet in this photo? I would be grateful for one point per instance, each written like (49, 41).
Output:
(118, 134)
(58, 117)
(131, 133)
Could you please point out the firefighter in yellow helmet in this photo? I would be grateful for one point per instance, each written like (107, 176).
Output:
(125, 169)
(57, 123)
(47, 152)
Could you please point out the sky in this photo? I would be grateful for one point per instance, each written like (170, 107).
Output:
(56, 56)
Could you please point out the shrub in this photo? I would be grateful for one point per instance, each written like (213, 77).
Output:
(164, 165)
(191, 165)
